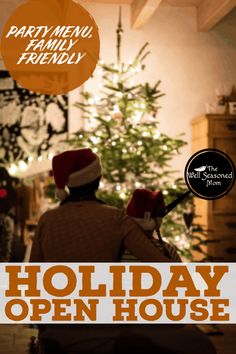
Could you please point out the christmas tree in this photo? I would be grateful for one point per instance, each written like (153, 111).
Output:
(121, 126)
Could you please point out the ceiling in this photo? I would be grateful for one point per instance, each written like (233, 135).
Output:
(169, 2)
(183, 2)
(208, 13)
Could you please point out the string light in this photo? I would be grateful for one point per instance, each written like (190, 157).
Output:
(97, 99)
(93, 111)
(132, 149)
(91, 101)
(116, 109)
(50, 156)
(95, 140)
(139, 143)
(122, 195)
(40, 158)
(138, 116)
(92, 122)
(115, 78)
(22, 165)
(145, 134)
(13, 169)
(165, 147)
(157, 135)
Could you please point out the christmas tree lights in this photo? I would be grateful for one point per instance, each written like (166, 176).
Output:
(121, 125)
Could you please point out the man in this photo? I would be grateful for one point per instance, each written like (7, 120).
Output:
(84, 229)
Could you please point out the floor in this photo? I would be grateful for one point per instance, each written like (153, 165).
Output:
(15, 339)
(226, 343)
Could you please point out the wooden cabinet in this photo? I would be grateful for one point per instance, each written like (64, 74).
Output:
(218, 216)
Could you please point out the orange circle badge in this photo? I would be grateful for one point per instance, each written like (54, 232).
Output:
(50, 46)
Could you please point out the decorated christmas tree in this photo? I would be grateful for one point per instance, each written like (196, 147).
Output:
(121, 125)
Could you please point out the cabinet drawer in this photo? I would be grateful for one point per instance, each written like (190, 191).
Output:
(222, 227)
(222, 250)
(225, 205)
(224, 127)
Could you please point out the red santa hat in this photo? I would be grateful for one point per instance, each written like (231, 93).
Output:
(145, 206)
(75, 168)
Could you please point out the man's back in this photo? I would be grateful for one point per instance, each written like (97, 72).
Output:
(89, 231)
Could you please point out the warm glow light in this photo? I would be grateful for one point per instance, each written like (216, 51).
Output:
(97, 99)
(115, 78)
(91, 101)
(22, 165)
(138, 115)
(157, 135)
(122, 195)
(145, 134)
(92, 122)
(50, 156)
(95, 140)
(116, 109)
(13, 169)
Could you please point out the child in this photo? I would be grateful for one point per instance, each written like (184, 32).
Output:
(144, 207)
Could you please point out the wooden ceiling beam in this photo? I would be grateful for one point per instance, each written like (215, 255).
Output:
(210, 12)
(142, 11)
